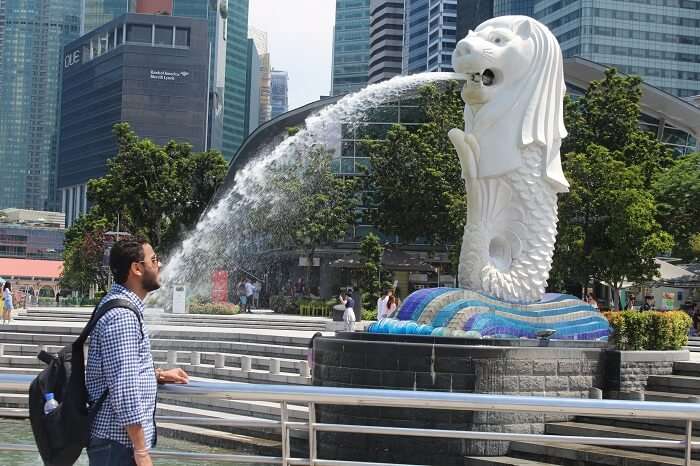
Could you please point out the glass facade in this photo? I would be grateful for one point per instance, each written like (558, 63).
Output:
(350, 46)
(513, 7)
(386, 39)
(32, 34)
(280, 89)
(99, 12)
(27, 242)
(658, 40)
(235, 114)
(430, 35)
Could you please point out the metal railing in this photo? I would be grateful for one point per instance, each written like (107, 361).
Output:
(312, 396)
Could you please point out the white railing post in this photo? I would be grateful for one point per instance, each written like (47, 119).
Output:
(304, 370)
(219, 360)
(285, 433)
(195, 358)
(312, 435)
(245, 364)
(688, 442)
(172, 358)
(2, 349)
(274, 366)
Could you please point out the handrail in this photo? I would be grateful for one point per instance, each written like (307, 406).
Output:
(312, 395)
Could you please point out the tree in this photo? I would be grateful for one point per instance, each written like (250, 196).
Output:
(159, 191)
(610, 164)
(609, 232)
(373, 278)
(305, 205)
(678, 193)
(419, 168)
(694, 242)
(83, 257)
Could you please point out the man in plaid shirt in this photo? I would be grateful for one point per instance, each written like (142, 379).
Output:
(120, 364)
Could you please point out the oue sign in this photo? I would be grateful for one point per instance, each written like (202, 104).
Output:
(71, 59)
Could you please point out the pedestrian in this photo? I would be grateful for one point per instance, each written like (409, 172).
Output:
(631, 303)
(58, 298)
(7, 303)
(391, 305)
(591, 299)
(120, 368)
(349, 313)
(249, 292)
(648, 304)
(381, 305)
(242, 297)
(300, 288)
(256, 294)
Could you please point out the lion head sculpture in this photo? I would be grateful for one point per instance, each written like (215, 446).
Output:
(514, 71)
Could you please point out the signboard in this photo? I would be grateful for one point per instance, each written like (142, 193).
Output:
(71, 59)
(219, 286)
(667, 301)
(161, 75)
(179, 299)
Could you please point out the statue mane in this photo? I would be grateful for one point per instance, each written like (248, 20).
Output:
(542, 116)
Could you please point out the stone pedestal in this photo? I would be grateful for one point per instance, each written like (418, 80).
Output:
(406, 362)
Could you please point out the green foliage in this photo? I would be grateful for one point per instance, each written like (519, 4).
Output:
(158, 191)
(649, 330)
(678, 193)
(83, 256)
(284, 304)
(419, 168)
(373, 278)
(306, 205)
(369, 313)
(607, 221)
(214, 308)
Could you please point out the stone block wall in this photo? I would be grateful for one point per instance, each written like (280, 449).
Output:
(521, 369)
(627, 371)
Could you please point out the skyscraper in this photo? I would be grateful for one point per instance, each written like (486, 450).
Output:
(235, 111)
(280, 89)
(260, 39)
(98, 12)
(32, 34)
(350, 46)
(253, 87)
(471, 13)
(385, 39)
(659, 43)
(430, 35)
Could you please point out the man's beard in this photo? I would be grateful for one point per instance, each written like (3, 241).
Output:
(150, 282)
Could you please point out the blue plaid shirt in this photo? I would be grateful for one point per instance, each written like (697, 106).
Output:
(119, 359)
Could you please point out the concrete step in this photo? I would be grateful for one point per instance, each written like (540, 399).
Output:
(258, 409)
(233, 347)
(674, 383)
(598, 430)
(691, 368)
(655, 425)
(571, 454)
(501, 461)
(14, 400)
(233, 374)
(217, 438)
(650, 395)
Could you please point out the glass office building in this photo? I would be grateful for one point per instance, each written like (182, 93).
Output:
(31, 242)
(514, 7)
(386, 39)
(350, 70)
(279, 97)
(658, 40)
(32, 35)
(148, 70)
(430, 35)
(235, 113)
(99, 12)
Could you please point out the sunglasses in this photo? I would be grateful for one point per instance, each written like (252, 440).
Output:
(154, 260)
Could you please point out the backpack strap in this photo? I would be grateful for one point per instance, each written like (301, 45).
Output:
(102, 309)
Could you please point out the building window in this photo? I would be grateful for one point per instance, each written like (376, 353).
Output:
(120, 36)
(139, 33)
(164, 35)
(182, 37)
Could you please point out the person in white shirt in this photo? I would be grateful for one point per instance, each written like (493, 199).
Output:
(381, 305)
(249, 290)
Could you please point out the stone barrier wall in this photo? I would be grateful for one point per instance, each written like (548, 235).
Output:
(627, 371)
(522, 368)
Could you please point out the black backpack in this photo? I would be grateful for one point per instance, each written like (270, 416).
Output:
(63, 433)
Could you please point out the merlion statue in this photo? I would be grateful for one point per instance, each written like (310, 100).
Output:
(509, 154)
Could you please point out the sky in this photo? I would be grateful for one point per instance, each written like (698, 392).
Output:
(300, 40)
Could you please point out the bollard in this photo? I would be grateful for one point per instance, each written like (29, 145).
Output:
(245, 364)
(304, 370)
(172, 358)
(195, 358)
(595, 393)
(219, 360)
(274, 366)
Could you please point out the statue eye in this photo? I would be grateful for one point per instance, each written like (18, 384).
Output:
(497, 39)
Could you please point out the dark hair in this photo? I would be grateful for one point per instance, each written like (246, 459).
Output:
(123, 254)
(7, 286)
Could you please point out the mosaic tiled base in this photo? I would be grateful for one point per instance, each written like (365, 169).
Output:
(458, 312)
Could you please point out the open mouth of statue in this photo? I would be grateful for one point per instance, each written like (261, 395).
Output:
(486, 77)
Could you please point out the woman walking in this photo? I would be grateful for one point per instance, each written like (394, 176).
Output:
(7, 301)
